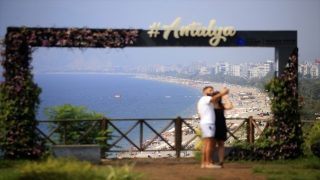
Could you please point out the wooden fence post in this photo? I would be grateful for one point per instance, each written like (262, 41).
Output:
(178, 135)
(103, 127)
(65, 133)
(141, 134)
(250, 130)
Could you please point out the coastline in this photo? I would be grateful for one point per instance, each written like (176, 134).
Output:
(106, 73)
(193, 83)
(198, 85)
(243, 109)
(169, 79)
(246, 100)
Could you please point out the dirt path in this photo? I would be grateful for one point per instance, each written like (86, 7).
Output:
(189, 169)
(192, 171)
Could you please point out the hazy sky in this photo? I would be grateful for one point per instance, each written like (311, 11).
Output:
(300, 15)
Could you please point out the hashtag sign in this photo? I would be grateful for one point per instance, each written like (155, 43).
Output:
(154, 29)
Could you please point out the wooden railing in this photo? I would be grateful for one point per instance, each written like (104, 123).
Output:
(251, 129)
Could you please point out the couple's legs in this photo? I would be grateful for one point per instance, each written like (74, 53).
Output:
(207, 151)
(204, 158)
(220, 149)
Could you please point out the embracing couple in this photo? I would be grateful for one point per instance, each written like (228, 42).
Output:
(213, 124)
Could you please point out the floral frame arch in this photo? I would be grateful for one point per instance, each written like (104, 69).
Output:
(19, 95)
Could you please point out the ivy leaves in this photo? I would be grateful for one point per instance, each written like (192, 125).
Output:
(19, 100)
(283, 138)
(19, 95)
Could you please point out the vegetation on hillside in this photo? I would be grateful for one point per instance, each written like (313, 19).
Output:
(77, 128)
(310, 90)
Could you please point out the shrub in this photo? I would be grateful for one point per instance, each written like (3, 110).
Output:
(59, 169)
(74, 129)
(199, 143)
(313, 136)
(124, 172)
(72, 169)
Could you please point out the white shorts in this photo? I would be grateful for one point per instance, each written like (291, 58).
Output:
(208, 130)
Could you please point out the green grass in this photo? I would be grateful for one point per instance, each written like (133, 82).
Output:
(198, 155)
(298, 169)
(10, 170)
(70, 168)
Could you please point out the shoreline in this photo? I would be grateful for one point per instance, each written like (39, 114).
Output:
(234, 96)
(106, 73)
(197, 85)
(167, 79)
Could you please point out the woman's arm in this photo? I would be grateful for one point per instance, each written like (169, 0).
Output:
(228, 104)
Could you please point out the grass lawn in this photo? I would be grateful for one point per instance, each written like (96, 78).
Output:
(10, 170)
(298, 169)
(61, 169)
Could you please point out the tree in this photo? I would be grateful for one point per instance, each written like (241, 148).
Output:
(74, 129)
(310, 90)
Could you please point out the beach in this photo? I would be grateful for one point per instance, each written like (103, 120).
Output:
(247, 101)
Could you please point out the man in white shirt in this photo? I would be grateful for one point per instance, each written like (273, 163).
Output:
(207, 123)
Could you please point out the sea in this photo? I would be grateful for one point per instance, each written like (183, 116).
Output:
(140, 99)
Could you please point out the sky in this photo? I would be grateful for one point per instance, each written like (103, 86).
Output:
(300, 15)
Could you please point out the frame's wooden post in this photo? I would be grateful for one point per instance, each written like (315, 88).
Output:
(178, 135)
(250, 130)
(141, 134)
(103, 127)
(65, 133)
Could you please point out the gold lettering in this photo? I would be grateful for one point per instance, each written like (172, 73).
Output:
(217, 36)
(168, 29)
(212, 22)
(195, 29)
(184, 30)
(232, 32)
(228, 31)
(201, 32)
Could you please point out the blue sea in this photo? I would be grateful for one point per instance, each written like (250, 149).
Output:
(139, 98)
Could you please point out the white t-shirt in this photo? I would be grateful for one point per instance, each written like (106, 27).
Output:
(205, 109)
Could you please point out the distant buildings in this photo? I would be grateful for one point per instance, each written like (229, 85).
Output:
(205, 70)
(309, 69)
(222, 67)
(245, 70)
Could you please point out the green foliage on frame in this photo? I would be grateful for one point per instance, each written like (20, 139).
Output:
(283, 138)
(19, 95)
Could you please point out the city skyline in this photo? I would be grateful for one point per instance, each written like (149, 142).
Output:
(307, 69)
(245, 70)
(47, 59)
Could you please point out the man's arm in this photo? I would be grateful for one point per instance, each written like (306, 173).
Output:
(198, 110)
(218, 96)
